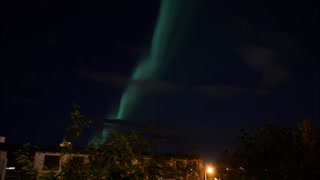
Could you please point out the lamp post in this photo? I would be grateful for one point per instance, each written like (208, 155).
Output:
(209, 170)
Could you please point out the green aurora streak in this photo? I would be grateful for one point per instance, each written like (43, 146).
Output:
(172, 22)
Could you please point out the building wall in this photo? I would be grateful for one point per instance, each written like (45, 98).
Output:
(40, 159)
(3, 164)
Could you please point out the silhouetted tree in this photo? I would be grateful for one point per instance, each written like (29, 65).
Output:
(274, 151)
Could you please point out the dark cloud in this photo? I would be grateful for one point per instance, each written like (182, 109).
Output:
(267, 63)
(212, 91)
(220, 91)
(122, 81)
(154, 86)
(108, 78)
(23, 100)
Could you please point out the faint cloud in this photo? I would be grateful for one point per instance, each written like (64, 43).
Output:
(267, 63)
(23, 100)
(212, 91)
(154, 86)
(122, 81)
(108, 78)
(221, 91)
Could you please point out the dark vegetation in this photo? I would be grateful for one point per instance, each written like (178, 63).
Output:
(274, 151)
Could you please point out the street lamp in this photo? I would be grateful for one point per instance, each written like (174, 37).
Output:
(208, 171)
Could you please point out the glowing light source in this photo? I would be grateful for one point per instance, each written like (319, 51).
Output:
(209, 173)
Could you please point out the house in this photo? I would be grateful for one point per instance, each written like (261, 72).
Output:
(49, 158)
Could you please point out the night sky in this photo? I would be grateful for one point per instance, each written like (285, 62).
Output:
(200, 69)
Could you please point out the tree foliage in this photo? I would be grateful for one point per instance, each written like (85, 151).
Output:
(79, 123)
(127, 155)
(274, 151)
(25, 160)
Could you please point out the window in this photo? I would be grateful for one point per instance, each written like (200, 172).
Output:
(51, 162)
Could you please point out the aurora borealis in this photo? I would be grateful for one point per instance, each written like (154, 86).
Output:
(199, 67)
(172, 21)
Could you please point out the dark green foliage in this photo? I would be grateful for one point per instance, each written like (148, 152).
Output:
(127, 155)
(25, 159)
(186, 169)
(79, 123)
(274, 151)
